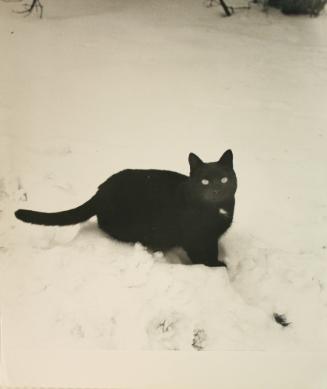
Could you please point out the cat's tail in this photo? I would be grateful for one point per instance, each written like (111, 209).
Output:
(64, 218)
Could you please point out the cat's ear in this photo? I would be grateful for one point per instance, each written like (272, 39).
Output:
(227, 159)
(194, 162)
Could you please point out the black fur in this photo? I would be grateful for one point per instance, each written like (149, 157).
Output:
(161, 209)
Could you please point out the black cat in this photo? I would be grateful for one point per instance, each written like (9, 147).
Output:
(161, 209)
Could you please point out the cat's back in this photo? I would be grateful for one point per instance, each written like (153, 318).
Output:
(145, 185)
(146, 177)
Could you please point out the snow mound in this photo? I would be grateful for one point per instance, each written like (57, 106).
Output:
(75, 287)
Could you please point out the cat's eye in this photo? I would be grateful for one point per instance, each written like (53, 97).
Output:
(205, 182)
(224, 180)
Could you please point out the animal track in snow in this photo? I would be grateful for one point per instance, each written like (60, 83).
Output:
(199, 338)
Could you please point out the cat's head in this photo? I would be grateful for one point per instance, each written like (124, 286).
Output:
(212, 182)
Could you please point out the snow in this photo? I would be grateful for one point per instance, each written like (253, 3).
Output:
(99, 86)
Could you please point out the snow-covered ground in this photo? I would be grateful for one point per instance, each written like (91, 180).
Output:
(98, 86)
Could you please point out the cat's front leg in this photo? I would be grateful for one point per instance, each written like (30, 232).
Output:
(204, 253)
